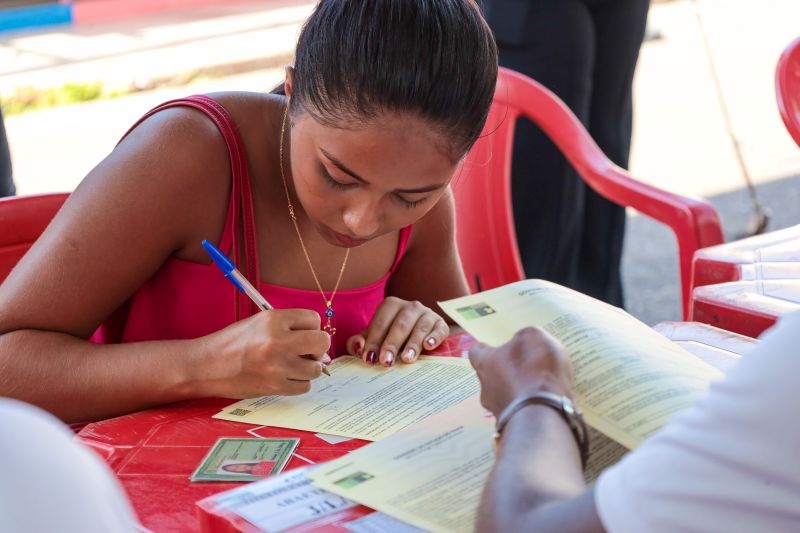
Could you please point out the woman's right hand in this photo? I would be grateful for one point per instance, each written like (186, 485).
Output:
(273, 352)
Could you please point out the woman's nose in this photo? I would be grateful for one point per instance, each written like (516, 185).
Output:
(361, 219)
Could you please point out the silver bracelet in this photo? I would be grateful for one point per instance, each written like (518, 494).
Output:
(563, 405)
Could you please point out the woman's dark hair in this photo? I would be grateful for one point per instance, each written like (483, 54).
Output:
(356, 59)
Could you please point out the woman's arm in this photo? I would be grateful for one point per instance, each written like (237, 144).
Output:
(151, 198)
(80, 382)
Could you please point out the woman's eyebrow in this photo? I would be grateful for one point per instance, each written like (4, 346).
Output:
(338, 164)
(341, 166)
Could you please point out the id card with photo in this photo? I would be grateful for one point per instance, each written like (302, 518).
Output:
(233, 459)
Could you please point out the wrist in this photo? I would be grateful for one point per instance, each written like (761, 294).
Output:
(197, 370)
(544, 382)
(561, 404)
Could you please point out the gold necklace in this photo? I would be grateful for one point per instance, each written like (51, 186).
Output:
(328, 302)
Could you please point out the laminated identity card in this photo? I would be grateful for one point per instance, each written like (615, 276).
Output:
(235, 459)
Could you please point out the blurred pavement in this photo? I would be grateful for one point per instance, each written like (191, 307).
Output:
(143, 51)
(681, 140)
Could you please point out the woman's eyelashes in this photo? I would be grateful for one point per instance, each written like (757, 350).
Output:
(338, 185)
(411, 204)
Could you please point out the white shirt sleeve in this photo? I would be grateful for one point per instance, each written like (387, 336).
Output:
(729, 464)
(49, 482)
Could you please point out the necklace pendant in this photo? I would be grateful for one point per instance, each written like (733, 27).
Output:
(329, 329)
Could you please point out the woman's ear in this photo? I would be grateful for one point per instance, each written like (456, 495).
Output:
(289, 83)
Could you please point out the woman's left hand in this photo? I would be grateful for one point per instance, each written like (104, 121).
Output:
(399, 330)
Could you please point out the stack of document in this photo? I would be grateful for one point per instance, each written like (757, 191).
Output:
(433, 449)
(365, 402)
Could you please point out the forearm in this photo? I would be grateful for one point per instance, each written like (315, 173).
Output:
(536, 477)
(81, 381)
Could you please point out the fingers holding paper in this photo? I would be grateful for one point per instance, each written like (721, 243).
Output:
(399, 331)
(531, 361)
(274, 352)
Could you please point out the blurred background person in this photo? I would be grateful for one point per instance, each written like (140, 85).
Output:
(6, 179)
(585, 51)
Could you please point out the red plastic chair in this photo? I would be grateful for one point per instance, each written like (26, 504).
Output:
(787, 88)
(22, 220)
(486, 237)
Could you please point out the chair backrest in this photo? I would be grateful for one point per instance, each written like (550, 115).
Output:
(22, 220)
(787, 88)
(485, 226)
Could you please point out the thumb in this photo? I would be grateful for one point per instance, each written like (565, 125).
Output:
(478, 353)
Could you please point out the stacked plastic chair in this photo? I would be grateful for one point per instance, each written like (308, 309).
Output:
(745, 286)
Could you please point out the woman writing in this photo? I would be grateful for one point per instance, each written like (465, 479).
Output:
(332, 199)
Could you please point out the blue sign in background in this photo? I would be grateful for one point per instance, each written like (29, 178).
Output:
(14, 18)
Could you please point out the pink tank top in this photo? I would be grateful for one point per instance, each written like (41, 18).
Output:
(185, 300)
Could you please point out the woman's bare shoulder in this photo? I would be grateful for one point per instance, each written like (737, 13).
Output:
(162, 187)
(256, 115)
(176, 164)
(248, 108)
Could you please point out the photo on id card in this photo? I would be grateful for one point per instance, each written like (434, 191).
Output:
(234, 459)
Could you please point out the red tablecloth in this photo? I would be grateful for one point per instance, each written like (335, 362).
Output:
(154, 452)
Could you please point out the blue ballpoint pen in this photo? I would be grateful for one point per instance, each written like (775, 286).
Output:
(236, 277)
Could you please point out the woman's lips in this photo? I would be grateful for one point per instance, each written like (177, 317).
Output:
(347, 242)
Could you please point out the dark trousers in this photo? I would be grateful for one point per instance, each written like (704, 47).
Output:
(6, 183)
(585, 51)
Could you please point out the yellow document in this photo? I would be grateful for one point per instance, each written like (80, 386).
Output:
(629, 380)
(362, 401)
(430, 475)
(603, 452)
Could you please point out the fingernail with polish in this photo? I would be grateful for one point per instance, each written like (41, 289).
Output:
(409, 355)
(430, 341)
(371, 357)
(388, 359)
(359, 348)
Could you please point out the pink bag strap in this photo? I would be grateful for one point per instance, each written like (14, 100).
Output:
(241, 192)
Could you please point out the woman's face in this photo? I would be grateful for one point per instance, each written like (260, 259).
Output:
(244, 468)
(357, 184)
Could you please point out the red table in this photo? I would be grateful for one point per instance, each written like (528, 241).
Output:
(153, 452)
